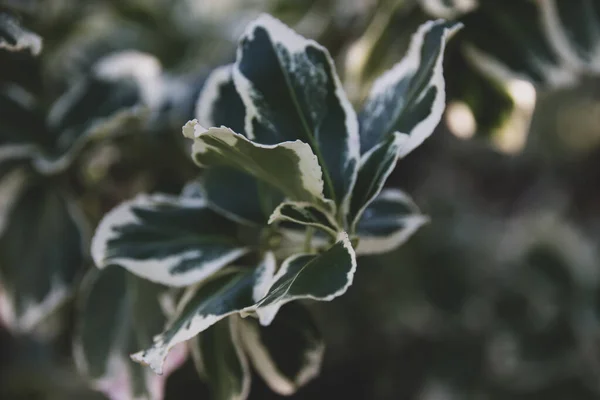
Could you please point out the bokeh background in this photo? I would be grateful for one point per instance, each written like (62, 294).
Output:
(498, 297)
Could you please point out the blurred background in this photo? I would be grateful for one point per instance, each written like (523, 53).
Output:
(498, 297)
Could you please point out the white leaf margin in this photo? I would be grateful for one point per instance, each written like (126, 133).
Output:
(155, 270)
(277, 215)
(310, 170)
(210, 93)
(235, 329)
(267, 313)
(400, 142)
(269, 371)
(410, 65)
(59, 293)
(281, 34)
(155, 356)
(370, 245)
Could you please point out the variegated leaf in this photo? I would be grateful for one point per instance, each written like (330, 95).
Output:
(308, 276)
(14, 37)
(305, 214)
(119, 313)
(388, 222)
(573, 28)
(292, 92)
(37, 280)
(219, 104)
(230, 292)
(220, 357)
(290, 167)
(375, 167)
(411, 96)
(176, 241)
(288, 353)
(117, 97)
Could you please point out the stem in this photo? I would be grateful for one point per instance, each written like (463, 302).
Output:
(308, 239)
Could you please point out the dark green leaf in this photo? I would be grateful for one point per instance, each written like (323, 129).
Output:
(291, 166)
(42, 249)
(219, 355)
(119, 313)
(305, 214)
(388, 222)
(235, 195)
(306, 276)
(291, 91)
(117, 97)
(229, 292)
(166, 239)
(375, 167)
(409, 98)
(219, 104)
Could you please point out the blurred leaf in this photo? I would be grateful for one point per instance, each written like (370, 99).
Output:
(388, 222)
(42, 250)
(288, 353)
(222, 359)
(171, 240)
(118, 314)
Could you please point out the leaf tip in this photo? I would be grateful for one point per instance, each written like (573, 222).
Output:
(149, 358)
(192, 129)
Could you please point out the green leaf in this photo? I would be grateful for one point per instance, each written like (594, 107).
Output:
(222, 188)
(14, 37)
(42, 250)
(290, 166)
(573, 29)
(116, 98)
(375, 167)
(288, 353)
(219, 355)
(388, 222)
(219, 104)
(117, 314)
(306, 276)
(305, 214)
(409, 98)
(175, 241)
(292, 92)
(229, 292)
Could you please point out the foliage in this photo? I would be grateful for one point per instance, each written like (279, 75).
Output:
(211, 247)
